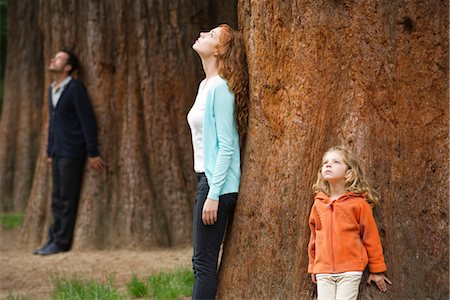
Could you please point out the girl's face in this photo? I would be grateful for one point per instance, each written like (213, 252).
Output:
(207, 42)
(334, 170)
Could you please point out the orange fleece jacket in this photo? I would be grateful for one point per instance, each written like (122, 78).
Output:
(344, 236)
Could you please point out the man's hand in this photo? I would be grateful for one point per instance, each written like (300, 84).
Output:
(380, 280)
(209, 213)
(96, 163)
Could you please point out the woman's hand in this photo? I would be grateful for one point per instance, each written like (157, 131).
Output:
(209, 213)
(313, 278)
(380, 280)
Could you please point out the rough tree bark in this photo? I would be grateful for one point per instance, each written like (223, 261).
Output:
(372, 74)
(21, 114)
(142, 76)
(20, 124)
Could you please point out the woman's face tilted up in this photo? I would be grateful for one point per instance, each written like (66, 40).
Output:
(206, 44)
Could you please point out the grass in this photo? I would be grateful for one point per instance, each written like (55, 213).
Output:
(82, 289)
(171, 285)
(161, 286)
(11, 220)
(137, 288)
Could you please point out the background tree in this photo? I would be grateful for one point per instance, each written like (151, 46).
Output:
(22, 103)
(142, 76)
(372, 74)
(3, 23)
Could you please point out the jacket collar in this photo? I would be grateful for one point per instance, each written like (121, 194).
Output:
(324, 197)
(64, 85)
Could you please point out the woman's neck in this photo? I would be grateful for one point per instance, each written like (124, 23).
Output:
(210, 67)
(337, 190)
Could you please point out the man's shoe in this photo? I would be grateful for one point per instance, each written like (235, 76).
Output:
(50, 249)
(36, 251)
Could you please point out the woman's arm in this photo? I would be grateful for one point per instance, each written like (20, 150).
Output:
(223, 110)
(225, 125)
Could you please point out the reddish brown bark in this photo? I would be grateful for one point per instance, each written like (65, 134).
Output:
(371, 74)
(374, 75)
(21, 109)
(142, 75)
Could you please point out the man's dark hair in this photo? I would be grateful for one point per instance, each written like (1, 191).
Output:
(72, 60)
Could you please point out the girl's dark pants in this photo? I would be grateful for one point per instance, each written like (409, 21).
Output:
(207, 240)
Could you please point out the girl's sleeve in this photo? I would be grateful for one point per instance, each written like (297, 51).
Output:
(312, 240)
(223, 107)
(371, 240)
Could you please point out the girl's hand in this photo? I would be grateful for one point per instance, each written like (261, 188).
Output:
(380, 280)
(209, 213)
(313, 278)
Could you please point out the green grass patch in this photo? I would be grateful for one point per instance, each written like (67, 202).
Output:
(171, 285)
(82, 289)
(161, 286)
(11, 220)
(137, 288)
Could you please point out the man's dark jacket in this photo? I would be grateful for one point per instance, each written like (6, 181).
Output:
(72, 131)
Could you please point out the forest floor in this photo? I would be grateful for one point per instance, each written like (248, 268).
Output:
(31, 276)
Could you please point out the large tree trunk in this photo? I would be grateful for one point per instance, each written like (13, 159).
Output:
(21, 108)
(142, 75)
(373, 75)
(367, 73)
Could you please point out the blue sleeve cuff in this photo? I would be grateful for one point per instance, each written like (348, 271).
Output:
(213, 195)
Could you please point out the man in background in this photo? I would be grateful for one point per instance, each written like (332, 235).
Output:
(72, 135)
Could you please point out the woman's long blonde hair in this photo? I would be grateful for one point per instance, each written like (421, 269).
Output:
(356, 182)
(233, 68)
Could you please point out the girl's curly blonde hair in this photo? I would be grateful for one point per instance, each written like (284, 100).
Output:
(233, 68)
(356, 182)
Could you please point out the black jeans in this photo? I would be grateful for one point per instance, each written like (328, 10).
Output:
(207, 240)
(67, 174)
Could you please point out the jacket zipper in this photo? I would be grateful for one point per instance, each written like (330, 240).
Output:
(331, 233)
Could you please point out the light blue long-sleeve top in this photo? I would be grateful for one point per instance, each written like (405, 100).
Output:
(221, 152)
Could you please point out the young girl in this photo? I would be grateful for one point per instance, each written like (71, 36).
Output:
(216, 119)
(344, 236)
